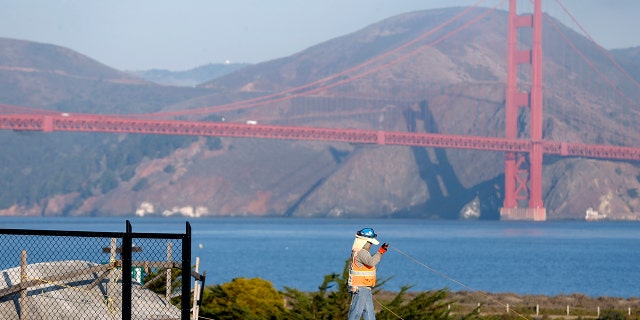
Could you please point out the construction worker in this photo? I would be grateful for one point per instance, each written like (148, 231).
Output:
(362, 274)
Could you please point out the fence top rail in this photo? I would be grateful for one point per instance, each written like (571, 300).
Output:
(100, 234)
(63, 233)
(93, 234)
(149, 235)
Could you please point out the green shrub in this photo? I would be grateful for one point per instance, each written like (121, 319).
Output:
(128, 173)
(169, 169)
(255, 299)
(108, 181)
(611, 314)
(213, 143)
(141, 184)
(242, 298)
(156, 281)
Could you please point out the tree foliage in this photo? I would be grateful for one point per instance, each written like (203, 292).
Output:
(426, 306)
(213, 143)
(156, 281)
(324, 303)
(610, 314)
(242, 298)
(334, 304)
(92, 163)
(141, 185)
(255, 299)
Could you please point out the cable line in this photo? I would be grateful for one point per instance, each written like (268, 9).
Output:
(457, 282)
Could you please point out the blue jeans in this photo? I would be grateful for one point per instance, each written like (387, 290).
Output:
(362, 305)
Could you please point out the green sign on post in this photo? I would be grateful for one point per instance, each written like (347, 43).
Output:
(137, 274)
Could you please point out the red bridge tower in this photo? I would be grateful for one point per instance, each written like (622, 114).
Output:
(515, 175)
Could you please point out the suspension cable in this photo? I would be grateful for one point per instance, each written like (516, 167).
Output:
(324, 83)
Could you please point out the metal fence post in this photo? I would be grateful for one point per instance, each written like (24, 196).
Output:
(186, 272)
(127, 243)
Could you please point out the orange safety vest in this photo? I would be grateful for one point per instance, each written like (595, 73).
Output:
(364, 276)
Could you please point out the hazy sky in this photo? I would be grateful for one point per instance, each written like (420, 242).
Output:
(179, 35)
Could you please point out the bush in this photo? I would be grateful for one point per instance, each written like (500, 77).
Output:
(128, 173)
(169, 169)
(255, 299)
(242, 298)
(140, 185)
(213, 143)
(108, 181)
(156, 281)
(611, 314)
(334, 304)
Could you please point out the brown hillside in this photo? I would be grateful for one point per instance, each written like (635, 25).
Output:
(51, 77)
(26, 56)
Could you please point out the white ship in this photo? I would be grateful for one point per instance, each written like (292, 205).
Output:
(592, 215)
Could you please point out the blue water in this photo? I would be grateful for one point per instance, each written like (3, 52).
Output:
(550, 258)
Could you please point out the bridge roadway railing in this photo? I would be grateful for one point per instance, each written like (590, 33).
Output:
(97, 123)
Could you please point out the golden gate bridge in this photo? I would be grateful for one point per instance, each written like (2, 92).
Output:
(523, 151)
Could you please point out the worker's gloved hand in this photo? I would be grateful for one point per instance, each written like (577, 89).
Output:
(383, 248)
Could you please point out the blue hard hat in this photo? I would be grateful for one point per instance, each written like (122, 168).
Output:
(367, 233)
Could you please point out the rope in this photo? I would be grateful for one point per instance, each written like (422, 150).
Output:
(111, 307)
(385, 307)
(108, 301)
(457, 282)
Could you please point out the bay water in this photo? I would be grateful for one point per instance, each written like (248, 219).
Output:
(549, 258)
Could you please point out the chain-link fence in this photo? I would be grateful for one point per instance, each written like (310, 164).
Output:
(47, 274)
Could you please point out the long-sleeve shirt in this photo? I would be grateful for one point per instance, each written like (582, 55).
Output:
(364, 257)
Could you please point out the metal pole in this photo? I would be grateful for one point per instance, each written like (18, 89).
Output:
(186, 272)
(126, 273)
(196, 292)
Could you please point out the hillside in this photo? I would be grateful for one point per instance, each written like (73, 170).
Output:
(54, 173)
(189, 77)
(104, 174)
(629, 59)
